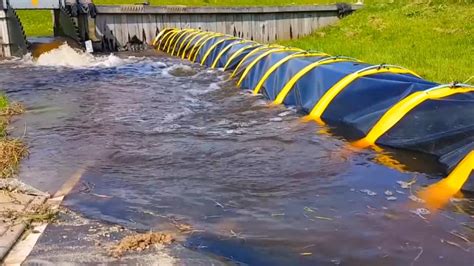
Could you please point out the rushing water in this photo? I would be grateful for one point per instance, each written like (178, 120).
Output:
(158, 140)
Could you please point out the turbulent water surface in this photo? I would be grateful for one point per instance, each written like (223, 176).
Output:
(160, 141)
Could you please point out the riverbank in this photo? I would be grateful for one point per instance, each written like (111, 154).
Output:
(12, 150)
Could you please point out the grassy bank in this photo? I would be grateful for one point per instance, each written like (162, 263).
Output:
(11, 150)
(431, 37)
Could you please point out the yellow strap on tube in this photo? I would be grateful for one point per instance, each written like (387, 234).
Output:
(155, 40)
(208, 52)
(260, 57)
(216, 35)
(197, 47)
(160, 35)
(289, 85)
(198, 41)
(199, 36)
(330, 94)
(403, 107)
(179, 37)
(223, 51)
(189, 36)
(172, 39)
(437, 195)
(237, 53)
(272, 69)
(164, 39)
(254, 51)
(184, 33)
(168, 41)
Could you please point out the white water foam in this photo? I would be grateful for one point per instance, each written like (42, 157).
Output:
(65, 56)
(179, 70)
(170, 117)
(212, 87)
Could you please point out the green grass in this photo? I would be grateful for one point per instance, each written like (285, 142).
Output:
(431, 37)
(36, 23)
(3, 107)
(3, 102)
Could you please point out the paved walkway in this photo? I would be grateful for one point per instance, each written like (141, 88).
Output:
(16, 199)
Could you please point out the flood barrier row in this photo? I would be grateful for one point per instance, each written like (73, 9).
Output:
(368, 104)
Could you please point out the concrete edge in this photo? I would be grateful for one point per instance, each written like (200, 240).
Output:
(142, 9)
(14, 233)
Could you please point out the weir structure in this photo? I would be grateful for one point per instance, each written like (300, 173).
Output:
(132, 27)
(13, 40)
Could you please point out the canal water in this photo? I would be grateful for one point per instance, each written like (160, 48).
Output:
(161, 142)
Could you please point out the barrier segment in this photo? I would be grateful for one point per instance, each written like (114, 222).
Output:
(171, 39)
(260, 57)
(272, 69)
(239, 52)
(180, 38)
(165, 38)
(223, 51)
(330, 94)
(288, 86)
(198, 37)
(184, 42)
(212, 36)
(399, 110)
(411, 96)
(213, 47)
(256, 50)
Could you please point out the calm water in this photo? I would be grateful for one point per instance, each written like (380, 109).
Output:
(160, 141)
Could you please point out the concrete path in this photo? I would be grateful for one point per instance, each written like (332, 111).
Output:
(16, 199)
(71, 238)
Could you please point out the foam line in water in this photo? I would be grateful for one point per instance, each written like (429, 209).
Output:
(66, 56)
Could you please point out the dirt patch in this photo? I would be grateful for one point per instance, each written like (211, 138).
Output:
(12, 109)
(140, 242)
(11, 150)
(11, 153)
(39, 213)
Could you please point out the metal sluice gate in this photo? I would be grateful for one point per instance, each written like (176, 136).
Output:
(369, 105)
(74, 19)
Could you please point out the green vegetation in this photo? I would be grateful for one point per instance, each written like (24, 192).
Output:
(36, 23)
(3, 102)
(11, 150)
(3, 123)
(431, 37)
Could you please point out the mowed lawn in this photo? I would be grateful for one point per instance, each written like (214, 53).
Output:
(431, 37)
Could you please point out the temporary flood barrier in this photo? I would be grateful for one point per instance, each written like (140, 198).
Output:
(369, 105)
